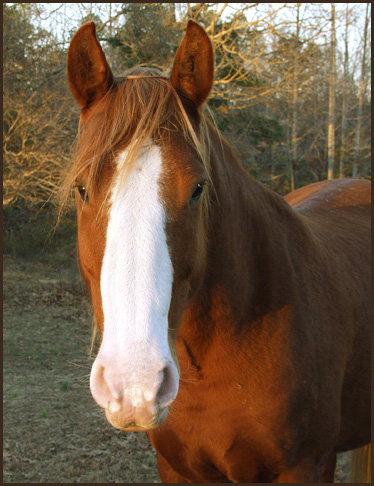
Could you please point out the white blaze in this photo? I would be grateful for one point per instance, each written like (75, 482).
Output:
(137, 273)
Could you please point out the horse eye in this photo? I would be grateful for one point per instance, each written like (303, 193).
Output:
(83, 193)
(196, 195)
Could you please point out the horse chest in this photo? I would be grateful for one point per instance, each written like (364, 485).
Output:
(212, 455)
(221, 443)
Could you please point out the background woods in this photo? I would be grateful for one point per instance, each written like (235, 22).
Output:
(292, 88)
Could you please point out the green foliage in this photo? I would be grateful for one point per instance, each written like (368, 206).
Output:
(65, 386)
(149, 36)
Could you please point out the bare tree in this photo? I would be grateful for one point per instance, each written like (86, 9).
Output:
(275, 76)
(361, 98)
(295, 103)
(38, 117)
(331, 119)
(344, 99)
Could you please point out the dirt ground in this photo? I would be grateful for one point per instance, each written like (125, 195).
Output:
(53, 430)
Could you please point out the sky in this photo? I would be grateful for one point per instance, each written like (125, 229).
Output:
(53, 17)
(55, 12)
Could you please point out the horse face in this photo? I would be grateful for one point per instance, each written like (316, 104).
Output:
(134, 376)
(143, 256)
(142, 259)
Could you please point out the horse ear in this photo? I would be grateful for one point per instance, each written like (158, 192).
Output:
(89, 74)
(192, 73)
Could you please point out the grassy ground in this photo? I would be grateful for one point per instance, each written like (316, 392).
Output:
(53, 430)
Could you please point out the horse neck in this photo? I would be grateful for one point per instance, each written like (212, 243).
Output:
(251, 238)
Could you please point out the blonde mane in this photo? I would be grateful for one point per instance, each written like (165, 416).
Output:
(140, 105)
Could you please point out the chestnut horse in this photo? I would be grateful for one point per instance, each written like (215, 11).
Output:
(234, 323)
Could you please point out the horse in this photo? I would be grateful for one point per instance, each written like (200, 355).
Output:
(234, 323)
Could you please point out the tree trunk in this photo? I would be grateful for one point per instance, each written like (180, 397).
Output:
(331, 123)
(344, 102)
(295, 91)
(361, 99)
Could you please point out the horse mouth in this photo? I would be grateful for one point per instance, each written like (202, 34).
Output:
(134, 426)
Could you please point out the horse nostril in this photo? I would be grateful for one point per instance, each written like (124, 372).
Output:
(166, 392)
(99, 386)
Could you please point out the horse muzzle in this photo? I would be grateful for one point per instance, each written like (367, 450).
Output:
(135, 397)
